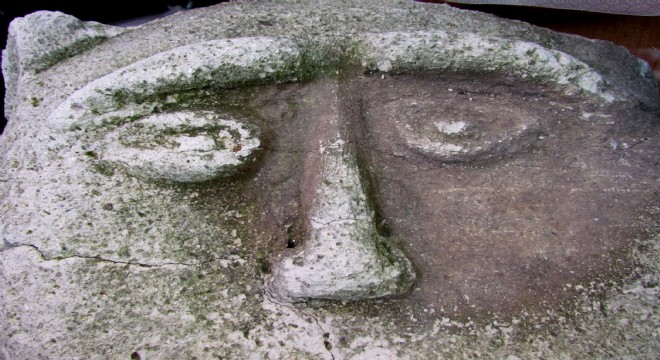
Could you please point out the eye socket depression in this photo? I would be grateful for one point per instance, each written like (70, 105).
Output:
(431, 117)
(466, 134)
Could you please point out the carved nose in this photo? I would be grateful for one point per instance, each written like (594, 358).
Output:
(343, 256)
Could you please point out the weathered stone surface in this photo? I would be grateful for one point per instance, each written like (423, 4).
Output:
(41, 39)
(307, 180)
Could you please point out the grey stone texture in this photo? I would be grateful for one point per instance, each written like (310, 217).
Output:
(326, 180)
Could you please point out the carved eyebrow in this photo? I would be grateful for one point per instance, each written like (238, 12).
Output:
(251, 60)
(219, 63)
(451, 52)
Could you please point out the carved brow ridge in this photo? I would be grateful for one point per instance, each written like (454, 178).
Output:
(228, 63)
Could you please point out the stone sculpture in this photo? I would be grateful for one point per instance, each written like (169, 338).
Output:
(313, 180)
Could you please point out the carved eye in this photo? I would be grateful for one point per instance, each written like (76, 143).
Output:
(184, 146)
(456, 127)
(468, 132)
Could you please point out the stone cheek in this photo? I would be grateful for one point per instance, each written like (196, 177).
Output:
(305, 180)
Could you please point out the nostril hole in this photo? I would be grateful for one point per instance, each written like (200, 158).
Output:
(135, 356)
(383, 228)
(291, 242)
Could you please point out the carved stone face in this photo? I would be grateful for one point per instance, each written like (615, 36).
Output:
(461, 176)
(346, 171)
(469, 175)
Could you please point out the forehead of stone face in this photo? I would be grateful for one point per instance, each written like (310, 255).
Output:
(323, 22)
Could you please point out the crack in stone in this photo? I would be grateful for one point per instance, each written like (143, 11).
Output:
(633, 145)
(316, 321)
(333, 221)
(96, 257)
(326, 336)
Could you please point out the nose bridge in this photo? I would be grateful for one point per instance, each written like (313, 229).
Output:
(343, 256)
(339, 200)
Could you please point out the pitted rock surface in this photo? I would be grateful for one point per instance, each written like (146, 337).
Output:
(323, 179)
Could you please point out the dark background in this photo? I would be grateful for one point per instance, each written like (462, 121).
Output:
(641, 35)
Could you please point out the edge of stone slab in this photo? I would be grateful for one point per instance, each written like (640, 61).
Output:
(41, 39)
